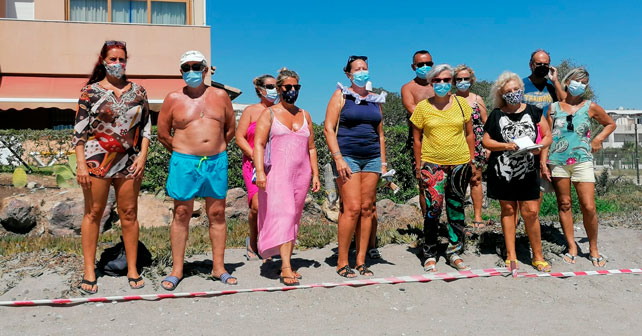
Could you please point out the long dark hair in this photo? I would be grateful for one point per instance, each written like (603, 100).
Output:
(99, 71)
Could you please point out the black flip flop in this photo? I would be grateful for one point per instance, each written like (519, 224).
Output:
(135, 280)
(90, 283)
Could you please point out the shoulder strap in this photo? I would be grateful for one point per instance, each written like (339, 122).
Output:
(343, 102)
(462, 113)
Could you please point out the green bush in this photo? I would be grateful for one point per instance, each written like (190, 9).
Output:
(549, 204)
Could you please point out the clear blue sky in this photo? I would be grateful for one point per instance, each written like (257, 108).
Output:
(315, 38)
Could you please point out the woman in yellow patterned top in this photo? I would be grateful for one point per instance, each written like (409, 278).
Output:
(443, 148)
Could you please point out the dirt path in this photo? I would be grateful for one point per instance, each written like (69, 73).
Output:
(583, 305)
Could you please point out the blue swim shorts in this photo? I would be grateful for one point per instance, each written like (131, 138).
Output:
(193, 176)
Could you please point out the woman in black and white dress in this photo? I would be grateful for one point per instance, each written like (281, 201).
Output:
(514, 178)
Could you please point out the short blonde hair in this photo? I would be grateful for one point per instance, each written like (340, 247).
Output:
(465, 67)
(496, 91)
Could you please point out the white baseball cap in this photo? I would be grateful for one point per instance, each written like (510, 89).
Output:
(193, 56)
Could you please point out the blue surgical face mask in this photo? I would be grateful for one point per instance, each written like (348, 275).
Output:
(360, 78)
(271, 95)
(463, 86)
(441, 89)
(193, 79)
(576, 88)
(423, 71)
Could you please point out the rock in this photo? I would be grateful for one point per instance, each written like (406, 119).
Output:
(198, 209)
(32, 185)
(236, 205)
(397, 215)
(154, 211)
(330, 211)
(17, 215)
(414, 202)
(65, 217)
(329, 184)
(311, 208)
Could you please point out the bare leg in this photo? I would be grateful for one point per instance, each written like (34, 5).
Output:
(564, 207)
(368, 196)
(252, 219)
(95, 201)
(178, 233)
(508, 214)
(530, 214)
(351, 200)
(372, 243)
(127, 205)
(586, 195)
(476, 193)
(218, 235)
(287, 273)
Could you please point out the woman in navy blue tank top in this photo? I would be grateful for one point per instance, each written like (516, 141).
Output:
(354, 133)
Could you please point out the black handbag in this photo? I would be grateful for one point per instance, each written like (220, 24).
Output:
(113, 261)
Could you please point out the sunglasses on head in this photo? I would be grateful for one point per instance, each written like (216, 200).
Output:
(462, 79)
(354, 58)
(423, 64)
(269, 86)
(289, 87)
(116, 43)
(569, 123)
(198, 67)
(441, 80)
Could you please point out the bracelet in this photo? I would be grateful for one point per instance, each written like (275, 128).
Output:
(385, 164)
(337, 153)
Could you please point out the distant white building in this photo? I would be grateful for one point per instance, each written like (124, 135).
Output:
(238, 110)
(625, 130)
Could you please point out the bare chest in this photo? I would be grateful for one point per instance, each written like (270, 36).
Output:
(188, 111)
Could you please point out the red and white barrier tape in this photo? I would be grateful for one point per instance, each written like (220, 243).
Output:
(489, 272)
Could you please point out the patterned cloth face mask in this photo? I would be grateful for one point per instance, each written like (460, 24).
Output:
(116, 70)
(513, 98)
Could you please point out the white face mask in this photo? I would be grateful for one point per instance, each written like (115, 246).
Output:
(116, 70)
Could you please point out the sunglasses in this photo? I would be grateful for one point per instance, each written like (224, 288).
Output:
(288, 87)
(116, 43)
(441, 80)
(423, 64)
(462, 79)
(269, 86)
(354, 58)
(569, 123)
(198, 67)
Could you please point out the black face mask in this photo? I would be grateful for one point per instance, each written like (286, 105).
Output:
(290, 96)
(541, 71)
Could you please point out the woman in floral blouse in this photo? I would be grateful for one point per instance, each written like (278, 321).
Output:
(111, 139)
(464, 79)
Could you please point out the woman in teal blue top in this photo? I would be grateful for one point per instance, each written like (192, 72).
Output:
(570, 159)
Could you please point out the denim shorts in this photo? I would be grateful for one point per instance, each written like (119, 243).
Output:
(360, 165)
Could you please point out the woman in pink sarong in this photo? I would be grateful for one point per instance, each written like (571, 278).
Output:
(265, 87)
(283, 173)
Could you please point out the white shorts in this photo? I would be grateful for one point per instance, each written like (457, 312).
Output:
(578, 172)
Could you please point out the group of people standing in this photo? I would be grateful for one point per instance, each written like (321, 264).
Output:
(452, 139)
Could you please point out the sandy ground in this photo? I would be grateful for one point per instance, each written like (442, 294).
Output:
(584, 305)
